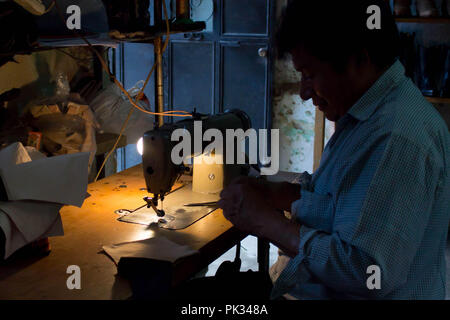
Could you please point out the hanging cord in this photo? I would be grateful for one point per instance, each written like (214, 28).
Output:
(139, 96)
(50, 7)
(176, 113)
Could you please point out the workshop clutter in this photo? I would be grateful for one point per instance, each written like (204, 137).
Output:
(402, 8)
(66, 124)
(428, 66)
(130, 19)
(422, 8)
(111, 108)
(128, 15)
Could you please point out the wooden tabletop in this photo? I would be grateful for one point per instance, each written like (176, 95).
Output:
(88, 228)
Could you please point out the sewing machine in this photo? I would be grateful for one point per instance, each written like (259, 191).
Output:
(161, 172)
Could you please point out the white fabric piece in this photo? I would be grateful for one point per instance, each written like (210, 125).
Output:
(34, 154)
(13, 154)
(159, 248)
(15, 239)
(31, 218)
(62, 179)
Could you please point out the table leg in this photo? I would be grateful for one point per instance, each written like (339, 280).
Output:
(263, 255)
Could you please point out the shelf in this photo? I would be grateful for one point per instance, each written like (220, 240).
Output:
(45, 44)
(149, 36)
(437, 20)
(101, 39)
(108, 41)
(438, 100)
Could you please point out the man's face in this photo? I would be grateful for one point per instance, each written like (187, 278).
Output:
(330, 91)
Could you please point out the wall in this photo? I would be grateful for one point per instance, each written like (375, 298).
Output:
(431, 35)
(293, 117)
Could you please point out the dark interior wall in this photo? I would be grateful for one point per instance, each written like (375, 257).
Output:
(428, 35)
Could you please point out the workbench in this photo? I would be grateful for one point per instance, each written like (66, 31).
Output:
(95, 224)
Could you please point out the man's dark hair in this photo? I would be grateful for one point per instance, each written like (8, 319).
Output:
(335, 30)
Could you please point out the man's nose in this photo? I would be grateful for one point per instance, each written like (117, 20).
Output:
(305, 90)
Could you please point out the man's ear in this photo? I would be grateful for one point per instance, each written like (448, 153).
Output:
(356, 63)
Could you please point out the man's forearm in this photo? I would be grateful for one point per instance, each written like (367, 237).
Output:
(284, 233)
(281, 195)
(288, 193)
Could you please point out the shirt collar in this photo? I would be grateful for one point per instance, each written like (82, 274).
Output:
(369, 102)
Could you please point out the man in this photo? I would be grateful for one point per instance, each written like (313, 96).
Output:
(380, 200)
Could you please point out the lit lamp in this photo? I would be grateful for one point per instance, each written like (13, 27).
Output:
(140, 146)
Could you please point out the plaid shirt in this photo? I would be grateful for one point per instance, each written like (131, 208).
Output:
(381, 196)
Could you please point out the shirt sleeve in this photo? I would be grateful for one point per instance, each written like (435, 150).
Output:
(378, 218)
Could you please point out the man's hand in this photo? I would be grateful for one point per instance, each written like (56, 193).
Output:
(279, 195)
(246, 208)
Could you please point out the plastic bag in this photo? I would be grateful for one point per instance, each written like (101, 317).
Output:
(111, 108)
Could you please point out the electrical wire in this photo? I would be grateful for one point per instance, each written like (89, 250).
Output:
(50, 7)
(105, 67)
(138, 97)
(173, 113)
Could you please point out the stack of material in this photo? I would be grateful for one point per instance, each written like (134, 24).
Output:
(67, 124)
(67, 132)
(34, 188)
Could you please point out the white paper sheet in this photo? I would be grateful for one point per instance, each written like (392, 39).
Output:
(31, 218)
(16, 239)
(34, 154)
(158, 248)
(13, 237)
(62, 179)
(13, 154)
